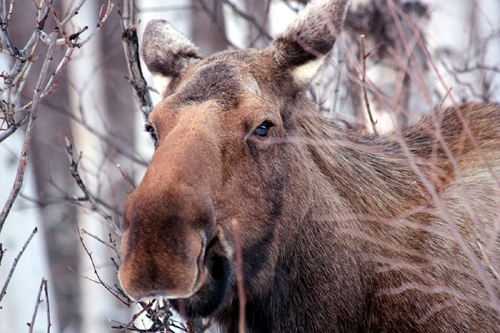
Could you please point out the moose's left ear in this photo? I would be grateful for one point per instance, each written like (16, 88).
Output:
(166, 51)
(303, 47)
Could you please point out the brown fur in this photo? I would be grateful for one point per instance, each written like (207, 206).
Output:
(340, 232)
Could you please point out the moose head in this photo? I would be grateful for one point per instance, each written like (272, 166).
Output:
(237, 141)
(219, 135)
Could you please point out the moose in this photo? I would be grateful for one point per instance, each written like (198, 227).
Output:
(337, 231)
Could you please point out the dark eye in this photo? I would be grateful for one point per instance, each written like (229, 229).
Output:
(152, 132)
(263, 129)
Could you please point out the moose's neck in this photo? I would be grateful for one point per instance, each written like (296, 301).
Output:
(371, 176)
(350, 187)
(345, 185)
(347, 189)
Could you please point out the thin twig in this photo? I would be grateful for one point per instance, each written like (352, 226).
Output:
(52, 82)
(487, 262)
(454, 231)
(96, 238)
(49, 324)
(213, 17)
(13, 128)
(58, 23)
(108, 288)
(336, 89)
(106, 138)
(251, 19)
(84, 277)
(124, 175)
(37, 305)
(134, 317)
(87, 196)
(103, 16)
(239, 277)
(2, 251)
(16, 260)
(73, 12)
(130, 44)
(18, 73)
(417, 75)
(57, 73)
(363, 81)
(112, 246)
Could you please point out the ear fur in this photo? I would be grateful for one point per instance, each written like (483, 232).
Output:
(303, 47)
(166, 52)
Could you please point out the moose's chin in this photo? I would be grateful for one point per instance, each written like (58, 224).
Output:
(213, 292)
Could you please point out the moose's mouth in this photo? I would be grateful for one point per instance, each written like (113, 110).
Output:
(173, 272)
(198, 282)
(213, 285)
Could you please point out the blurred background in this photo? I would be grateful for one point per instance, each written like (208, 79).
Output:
(415, 56)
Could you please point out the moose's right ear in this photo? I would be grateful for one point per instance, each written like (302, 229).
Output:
(303, 47)
(166, 51)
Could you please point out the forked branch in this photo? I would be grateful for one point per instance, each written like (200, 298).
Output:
(43, 287)
(87, 196)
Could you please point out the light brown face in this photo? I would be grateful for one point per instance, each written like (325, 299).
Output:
(223, 154)
(216, 137)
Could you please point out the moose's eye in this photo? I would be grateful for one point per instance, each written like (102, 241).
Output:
(152, 132)
(263, 129)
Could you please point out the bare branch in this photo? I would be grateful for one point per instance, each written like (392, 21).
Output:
(103, 16)
(135, 316)
(363, 81)
(130, 44)
(239, 277)
(106, 138)
(112, 246)
(108, 288)
(213, 17)
(49, 324)
(24, 60)
(250, 19)
(58, 23)
(73, 12)
(23, 160)
(2, 251)
(159, 313)
(52, 82)
(438, 202)
(124, 175)
(57, 73)
(16, 260)
(4, 22)
(12, 128)
(43, 286)
(87, 196)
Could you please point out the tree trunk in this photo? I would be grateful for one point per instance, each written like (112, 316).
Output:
(208, 27)
(259, 10)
